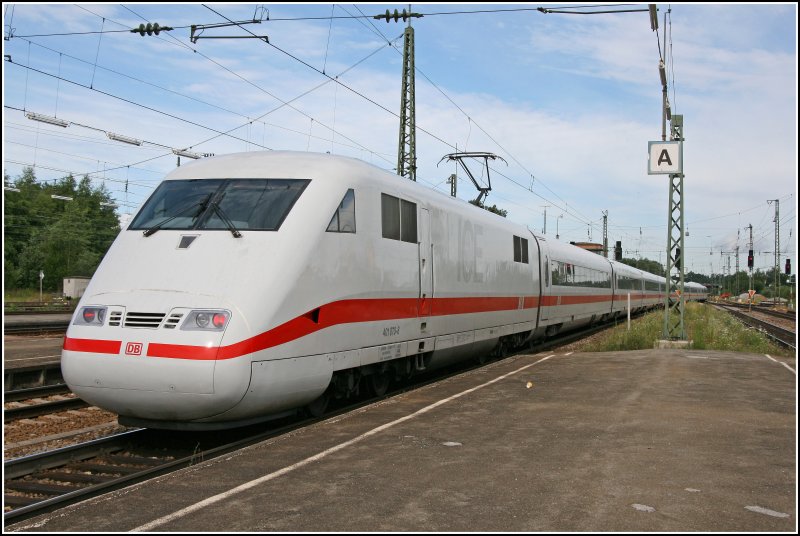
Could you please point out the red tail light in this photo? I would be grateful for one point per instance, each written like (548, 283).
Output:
(219, 319)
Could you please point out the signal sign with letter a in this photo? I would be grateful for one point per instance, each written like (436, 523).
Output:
(665, 158)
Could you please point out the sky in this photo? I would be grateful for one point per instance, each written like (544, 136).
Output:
(568, 101)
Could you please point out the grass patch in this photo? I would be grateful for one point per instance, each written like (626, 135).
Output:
(15, 300)
(27, 295)
(706, 327)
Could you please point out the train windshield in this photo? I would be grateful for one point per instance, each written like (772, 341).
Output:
(247, 204)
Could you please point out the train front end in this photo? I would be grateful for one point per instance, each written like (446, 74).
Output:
(149, 353)
(171, 322)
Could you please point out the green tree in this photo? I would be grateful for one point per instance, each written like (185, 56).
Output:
(653, 267)
(62, 238)
(500, 211)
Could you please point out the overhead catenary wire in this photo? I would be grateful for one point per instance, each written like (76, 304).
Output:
(672, 62)
(317, 131)
(282, 101)
(332, 79)
(441, 140)
(129, 101)
(471, 120)
(206, 103)
(331, 17)
(170, 115)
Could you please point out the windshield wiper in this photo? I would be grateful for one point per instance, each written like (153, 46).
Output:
(224, 217)
(202, 204)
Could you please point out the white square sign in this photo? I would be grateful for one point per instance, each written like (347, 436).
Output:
(665, 158)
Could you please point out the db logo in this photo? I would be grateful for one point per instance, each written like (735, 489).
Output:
(133, 348)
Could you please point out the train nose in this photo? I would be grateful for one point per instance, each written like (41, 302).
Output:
(163, 371)
(140, 385)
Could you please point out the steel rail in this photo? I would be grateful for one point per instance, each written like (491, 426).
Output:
(35, 392)
(43, 408)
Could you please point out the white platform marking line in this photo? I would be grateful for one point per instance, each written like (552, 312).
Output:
(12, 360)
(247, 485)
(765, 511)
(782, 363)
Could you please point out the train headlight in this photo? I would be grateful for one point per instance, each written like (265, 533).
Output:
(206, 320)
(90, 316)
(201, 319)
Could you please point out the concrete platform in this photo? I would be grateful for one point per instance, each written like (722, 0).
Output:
(21, 351)
(654, 440)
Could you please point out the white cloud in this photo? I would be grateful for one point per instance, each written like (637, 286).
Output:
(571, 100)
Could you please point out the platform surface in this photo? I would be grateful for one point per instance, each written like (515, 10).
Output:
(653, 440)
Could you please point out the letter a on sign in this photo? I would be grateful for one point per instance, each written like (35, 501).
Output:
(665, 158)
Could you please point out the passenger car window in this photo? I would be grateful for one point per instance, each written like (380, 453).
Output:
(398, 219)
(408, 221)
(520, 249)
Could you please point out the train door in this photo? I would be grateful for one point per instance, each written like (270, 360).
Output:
(425, 263)
(545, 281)
(543, 278)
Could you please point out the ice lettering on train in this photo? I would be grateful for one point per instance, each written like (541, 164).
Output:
(469, 251)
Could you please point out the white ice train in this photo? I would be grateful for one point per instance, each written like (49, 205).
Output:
(253, 284)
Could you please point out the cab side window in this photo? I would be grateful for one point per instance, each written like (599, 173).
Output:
(344, 219)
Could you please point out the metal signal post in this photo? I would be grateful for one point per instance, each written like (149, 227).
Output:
(666, 158)
(407, 143)
(777, 278)
(674, 328)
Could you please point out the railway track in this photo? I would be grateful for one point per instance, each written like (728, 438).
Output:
(40, 328)
(789, 315)
(35, 392)
(45, 482)
(28, 321)
(777, 334)
(32, 376)
(34, 404)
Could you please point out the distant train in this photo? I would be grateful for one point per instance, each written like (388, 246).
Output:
(250, 285)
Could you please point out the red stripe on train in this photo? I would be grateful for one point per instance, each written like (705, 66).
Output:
(92, 345)
(341, 312)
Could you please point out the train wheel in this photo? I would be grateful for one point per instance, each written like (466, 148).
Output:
(379, 382)
(318, 407)
(502, 351)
